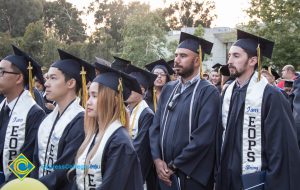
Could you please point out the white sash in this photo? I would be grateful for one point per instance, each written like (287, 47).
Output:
(50, 144)
(16, 129)
(93, 179)
(137, 112)
(252, 132)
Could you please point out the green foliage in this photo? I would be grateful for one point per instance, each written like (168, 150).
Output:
(190, 13)
(64, 19)
(199, 31)
(144, 39)
(5, 41)
(15, 15)
(279, 21)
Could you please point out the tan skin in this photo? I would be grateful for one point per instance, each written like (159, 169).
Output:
(240, 64)
(11, 85)
(58, 90)
(185, 60)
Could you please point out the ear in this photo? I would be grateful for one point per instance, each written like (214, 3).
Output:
(71, 83)
(20, 79)
(253, 61)
(196, 61)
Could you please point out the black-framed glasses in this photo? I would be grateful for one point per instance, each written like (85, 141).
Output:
(3, 72)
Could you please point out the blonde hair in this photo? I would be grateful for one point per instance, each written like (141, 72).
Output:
(108, 111)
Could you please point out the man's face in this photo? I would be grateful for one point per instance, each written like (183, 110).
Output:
(286, 73)
(9, 80)
(56, 87)
(237, 61)
(184, 62)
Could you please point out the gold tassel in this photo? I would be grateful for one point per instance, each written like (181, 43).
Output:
(121, 101)
(84, 89)
(154, 99)
(258, 62)
(31, 81)
(270, 70)
(200, 63)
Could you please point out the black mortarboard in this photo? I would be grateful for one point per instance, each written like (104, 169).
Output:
(250, 43)
(192, 43)
(144, 78)
(225, 70)
(102, 61)
(21, 60)
(72, 66)
(109, 77)
(120, 64)
(162, 64)
(273, 71)
(217, 66)
(171, 63)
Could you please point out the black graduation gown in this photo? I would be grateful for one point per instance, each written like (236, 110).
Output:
(280, 153)
(33, 121)
(197, 158)
(120, 166)
(2, 97)
(296, 106)
(142, 146)
(69, 143)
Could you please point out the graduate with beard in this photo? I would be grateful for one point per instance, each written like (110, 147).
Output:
(259, 146)
(183, 133)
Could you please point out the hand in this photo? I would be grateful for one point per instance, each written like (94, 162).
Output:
(164, 173)
(50, 106)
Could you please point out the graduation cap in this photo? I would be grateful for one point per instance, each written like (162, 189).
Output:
(144, 78)
(224, 70)
(171, 63)
(192, 43)
(255, 45)
(80, 70)
(271, 71)
(27, 65)
(217, 66)
(197, 45)
(102, 61)
(120, 64)
(161, 64)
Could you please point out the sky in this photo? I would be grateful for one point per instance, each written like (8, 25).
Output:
(229, 12)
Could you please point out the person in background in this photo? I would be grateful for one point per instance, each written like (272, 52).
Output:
(288, 73)
(163, 71)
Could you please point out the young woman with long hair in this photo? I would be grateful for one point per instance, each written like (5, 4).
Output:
(106, 159)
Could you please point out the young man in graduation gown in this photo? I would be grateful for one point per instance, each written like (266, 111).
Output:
(259, 140)
(182, 136)
(20, 116)
(61, 132)
(141, 117)
(296, 106)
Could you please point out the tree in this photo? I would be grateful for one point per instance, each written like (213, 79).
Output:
(144, 39)
(33, 39)
(190, 13)
(15, 15)
(278, 20)
(63, 18)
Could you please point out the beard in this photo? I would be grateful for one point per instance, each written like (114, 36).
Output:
(187, 71)
(235, 73)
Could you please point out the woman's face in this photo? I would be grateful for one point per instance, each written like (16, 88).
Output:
(92, 101)
(161, 77)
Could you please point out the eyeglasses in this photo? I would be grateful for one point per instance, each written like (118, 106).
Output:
(161, 74)
(3, 72)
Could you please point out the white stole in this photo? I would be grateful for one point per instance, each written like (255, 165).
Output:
(252, 131)
(134, 118)
(50, 144)
(16, 129)
(93, 179)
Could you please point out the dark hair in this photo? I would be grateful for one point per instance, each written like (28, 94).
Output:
(250, 55)
(17, 70)
(68, 77)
